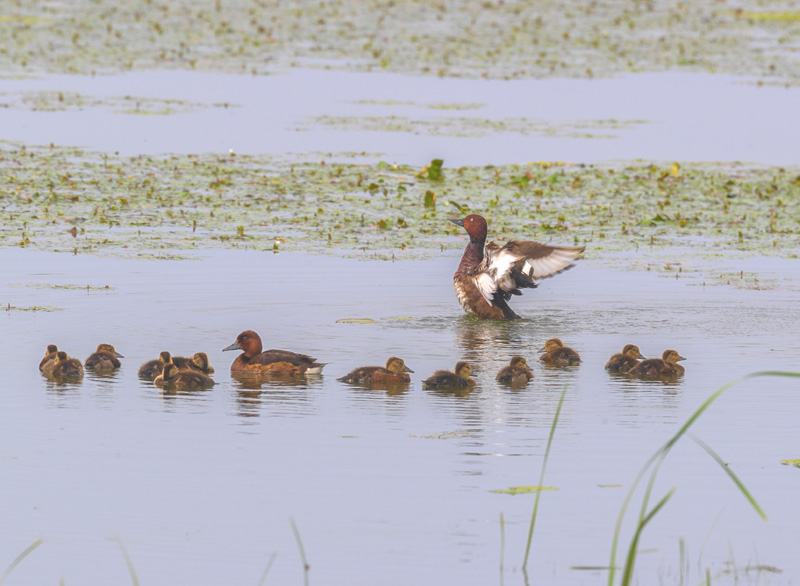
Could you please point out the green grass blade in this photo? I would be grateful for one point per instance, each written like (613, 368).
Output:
(129, 561)
(306, 567)
(630, 562)
(267, 569)
(502, 547)
(730, 473)
(541, 477)
(21, 557)
(665, 449)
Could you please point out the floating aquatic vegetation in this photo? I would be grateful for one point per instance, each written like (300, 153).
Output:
(66, 287)
(499, 40)
(447, 434)
(514, 490)
(71, 200)
(45, 308)
(795, 463)
(61, 101)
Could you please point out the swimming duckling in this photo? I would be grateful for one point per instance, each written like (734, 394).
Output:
(396, 371)
(255, 361)
(175, 379)
(666, 365)
(557, 354)
(66, 368)
(517, 372)
(152, 368)
(48, 362)
(198, 362)
(457, 380)
(624, 362)
(104, 359)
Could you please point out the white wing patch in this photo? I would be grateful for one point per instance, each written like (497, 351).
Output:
(501, 262)
(486, 285)
(547, 266)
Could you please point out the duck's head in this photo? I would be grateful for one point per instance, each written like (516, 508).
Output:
(551, 345)
(248, 341)
(519, 362)
(110, 349)
(671, 357)
(396, 365)
(632, 351)
(200, 359)
(61, 357)
(51, 351)
(463, 370)
(475, 226)
(165, 357)
(170, 370)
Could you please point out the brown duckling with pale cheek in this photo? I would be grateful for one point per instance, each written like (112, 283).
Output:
(517, 372)
(457, 380)
(104, 359)
(254, 360)
(152, 368)
(49, 360)
(396, 371)
(174, 379)
(556, 354)
(198, 362)
(667, 365)
(66, 368)
(624, 362)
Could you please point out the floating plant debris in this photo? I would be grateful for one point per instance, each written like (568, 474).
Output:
(514, 490)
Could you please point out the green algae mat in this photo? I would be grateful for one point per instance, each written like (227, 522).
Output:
(458, 38)
(66, 199)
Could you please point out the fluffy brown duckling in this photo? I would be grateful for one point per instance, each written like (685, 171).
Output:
(665, 366)
(66, 368)
(174, 379)
(152, 368)
(557, 354)
(517, 372)
(254, 360)
(626, 360)
(104, 359)
(198, 362)
(457, 380)
(48, 362)
(396, 371)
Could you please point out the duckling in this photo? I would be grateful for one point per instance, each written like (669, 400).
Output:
(459, 379)
(624, 362)
(66, 368)
(152, 368)
(48, 362)
(105, 359)
(488, 274)
(254, 360)
(557, 354)
(198, 362)
(666, 365)
(517, 372)
(396, 371)
(182, 380)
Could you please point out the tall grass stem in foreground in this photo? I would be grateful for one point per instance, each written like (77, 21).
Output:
(655, 462)
(20, 557)
(306, 567)
(502, 546)
(267, 569)
(541, 478)
(128, 560)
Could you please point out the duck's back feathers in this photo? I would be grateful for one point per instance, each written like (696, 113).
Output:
(375, 374)
(102, 361)
(444, 379)
(620, 363)
(652, 367)
(561, 357)
(514, 375)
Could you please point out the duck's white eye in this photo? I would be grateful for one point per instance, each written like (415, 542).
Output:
(471, 219)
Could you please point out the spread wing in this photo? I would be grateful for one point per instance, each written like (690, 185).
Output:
(518, 264)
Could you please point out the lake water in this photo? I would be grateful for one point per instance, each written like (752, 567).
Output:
(386, 488)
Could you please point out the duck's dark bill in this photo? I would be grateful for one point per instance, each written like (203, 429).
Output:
(458, 222)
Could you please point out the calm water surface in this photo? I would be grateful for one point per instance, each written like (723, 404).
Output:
(385, 488)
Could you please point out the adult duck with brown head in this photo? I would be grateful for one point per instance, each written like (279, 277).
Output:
(395, 372)
(104, 359)
(667, 365)
(257, 361)
(490, 274)
(626, 360)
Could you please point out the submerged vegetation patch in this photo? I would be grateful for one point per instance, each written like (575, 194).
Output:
(493, 39)
(66, 199)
